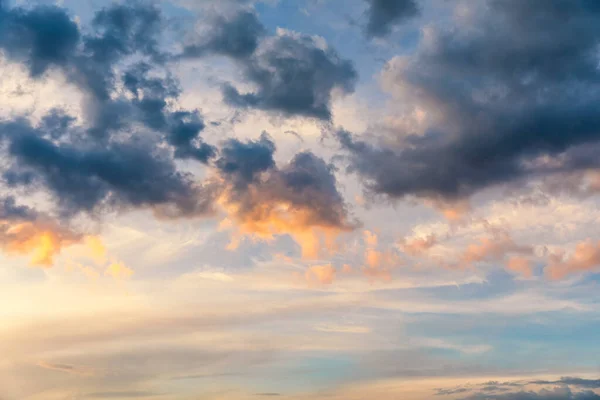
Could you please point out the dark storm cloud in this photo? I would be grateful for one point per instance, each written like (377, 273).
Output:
(384, 14)
(506, 97)
(236, 36)
(295, 76)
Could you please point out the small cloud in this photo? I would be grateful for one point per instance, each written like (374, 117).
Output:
(118, 270)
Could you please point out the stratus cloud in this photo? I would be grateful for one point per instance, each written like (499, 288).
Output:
(585, 258)
(300, 198)
(505, 101)
(384, 14)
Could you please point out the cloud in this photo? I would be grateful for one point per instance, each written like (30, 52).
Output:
(236, 36)
(418, 246)
(40, 38)
(384, 14)
(520, 265)
(294, 75)
(558, 393)
(118, 270)
(320, 274)
(23, 231)
(571, 381)
(85, 178)
(504, 101)
(66, 368)
(585, 258)
(300, 198)
(492, 248)
(111, 161)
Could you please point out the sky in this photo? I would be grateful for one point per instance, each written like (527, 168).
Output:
(299, 199)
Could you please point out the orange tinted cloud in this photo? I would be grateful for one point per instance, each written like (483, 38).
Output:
(320, 274)
(378, 263)
(263, 201)
(97, 249)
(585, 257)
(493, 248)
(521, 266)
(418, 246)
(118, 270)
(41, 241)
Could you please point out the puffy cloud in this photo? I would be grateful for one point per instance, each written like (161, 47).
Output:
(585, 258)
(507, 97)
(24, 231)
(83, 178)
(295, 75)
(236, 36)
(418, 246)
(378, 263)
(40, 38)
(384, 14)
(494, 248)
(520, 265)
(118, 270)
(300, 198)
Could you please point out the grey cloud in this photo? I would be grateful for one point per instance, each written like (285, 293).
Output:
(384, 14)
(579, 382)
(306, 183)
(85, 178)
(559, 393)
(294, 76)
(502, 95)
(236, 36)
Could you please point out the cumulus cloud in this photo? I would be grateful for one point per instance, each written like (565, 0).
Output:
(384, 14)
(585, 258)
(293, 74)
(418, 246)
(507, 96)
(121, 153)
(299, 198)
(23, 231)
(236, 36)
